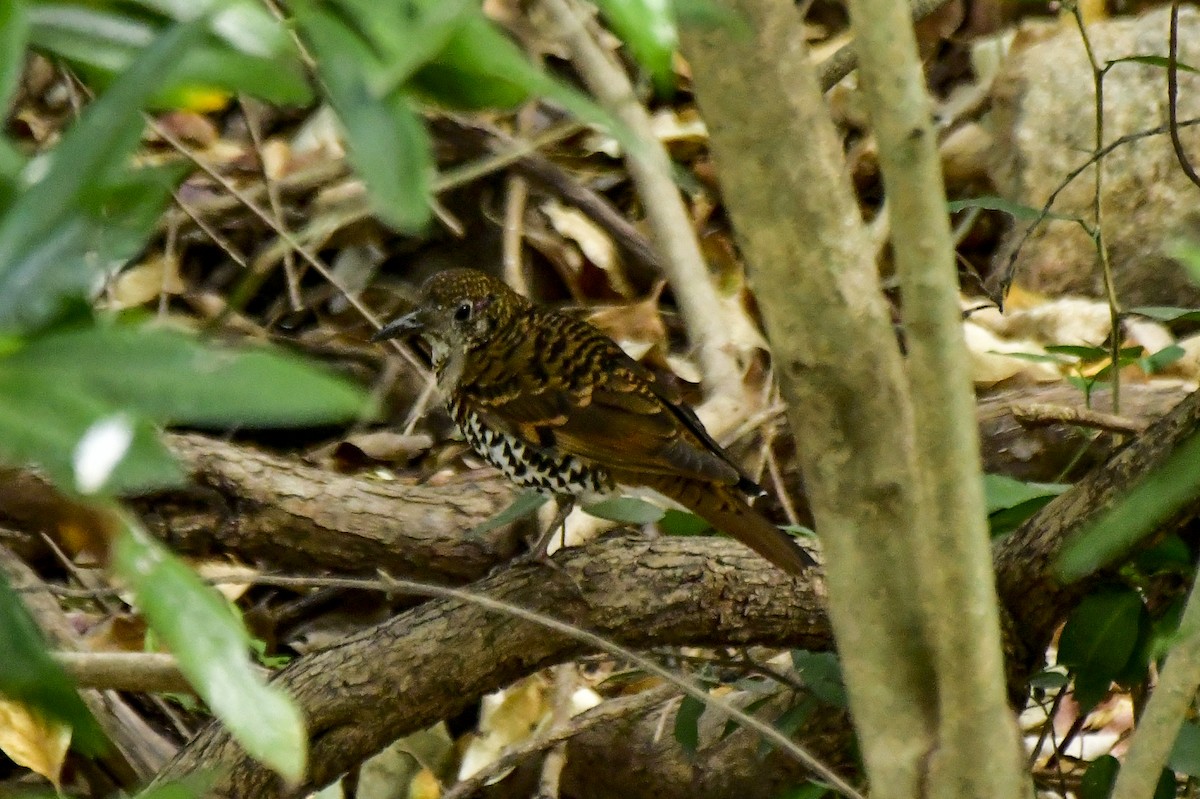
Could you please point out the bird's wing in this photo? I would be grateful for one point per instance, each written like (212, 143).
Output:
(620, 417)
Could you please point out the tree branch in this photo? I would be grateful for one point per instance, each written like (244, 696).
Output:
(439, 658)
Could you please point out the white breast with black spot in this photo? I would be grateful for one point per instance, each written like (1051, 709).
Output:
(529, 466)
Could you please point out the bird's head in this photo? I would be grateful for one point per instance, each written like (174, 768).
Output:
(456, 310)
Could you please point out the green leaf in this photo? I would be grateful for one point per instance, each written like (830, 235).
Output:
(791, 720)
(191, 788)
(809, 790)
(1151, 60)
(1166, 787)
(404, 36)
(1002, 492)
(1165, 632)
(244, 25)
(1136, 669)
(648, 28)
(86, 446)
(687, 724)
(1035, 357)
(1086, 353)
(1098, 639)
(1101, 631)
(1005, 521)
(247, 51)
(1160, 360)
(1187, 252)
(1135, 515)
(386, 139)
(1185, 755)
(822, 675)
(12, 164)
(703, 14)
(1049, 680)
(1013, 209)
(170, 376)
(392, 152)
(212, 648)
(526, 504)
(44, 238)
(1167, 556)
(681, 522)
(479, 67)
(28, 674)
(626, 510)
(1097, 781)
(1010, 502)
(14, 29)
(1090, 689)
(1165, 313)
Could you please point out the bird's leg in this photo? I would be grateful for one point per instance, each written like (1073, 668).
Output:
(565, 503)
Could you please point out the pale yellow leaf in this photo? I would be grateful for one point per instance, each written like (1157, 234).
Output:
(33, 741)
(144, 283)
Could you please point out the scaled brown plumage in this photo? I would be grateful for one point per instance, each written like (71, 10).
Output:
(556, 405)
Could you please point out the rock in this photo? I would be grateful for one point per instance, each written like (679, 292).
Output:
(1043, 118)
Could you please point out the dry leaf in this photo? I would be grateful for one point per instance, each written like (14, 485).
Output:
(123, 632)
(144, 282)
(1188, 365)
(506, 717)
(514, 715)
(966, 153)
(33, 741)
(276, 157)
(382, 445)
(189, 127)
(1152, 336)
(989, 364)
(685, 126)
(227, 571)
(593, 242)
(638, 326)
(1069, 320)
(321, 133)
(740, 330)
(425, 785)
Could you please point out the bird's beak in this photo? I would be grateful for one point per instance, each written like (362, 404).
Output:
(406, 325)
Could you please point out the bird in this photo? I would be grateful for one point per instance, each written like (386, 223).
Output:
(558, 406)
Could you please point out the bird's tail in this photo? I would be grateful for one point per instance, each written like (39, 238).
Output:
(723, 508)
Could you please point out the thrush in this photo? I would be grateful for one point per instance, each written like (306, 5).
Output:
(558, 406)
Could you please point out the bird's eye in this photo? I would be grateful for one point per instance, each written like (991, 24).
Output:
(463, 312)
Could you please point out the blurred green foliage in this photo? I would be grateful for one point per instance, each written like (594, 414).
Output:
(83, 395)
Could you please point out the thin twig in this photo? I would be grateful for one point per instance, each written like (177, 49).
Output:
(1037, 414)
(565, 680)
(1110, 288)
(1047, 728)
(249, 114)
(284, 234)
(516, 201)
(170, 269)
(1006, 279)
(1173, 95)
(147, 672)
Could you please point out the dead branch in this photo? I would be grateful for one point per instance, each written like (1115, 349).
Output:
(439, 658)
